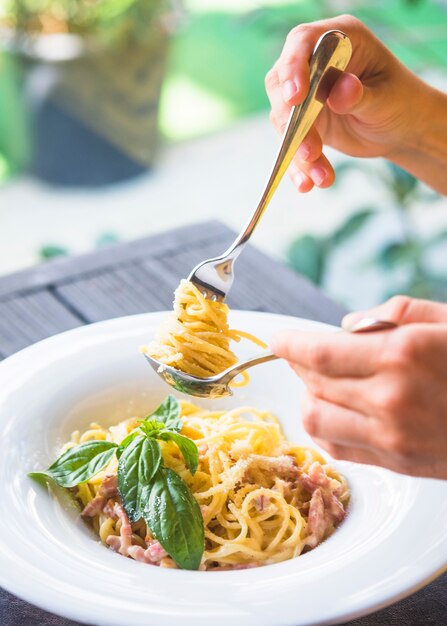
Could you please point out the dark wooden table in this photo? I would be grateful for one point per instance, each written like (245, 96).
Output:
(141, 276)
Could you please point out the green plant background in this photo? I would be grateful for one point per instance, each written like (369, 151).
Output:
(219, 56)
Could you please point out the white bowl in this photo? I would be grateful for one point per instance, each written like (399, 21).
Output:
(393, 540)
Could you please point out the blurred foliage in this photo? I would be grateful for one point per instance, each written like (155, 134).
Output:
(14, 135)
(311, 255)
(108, 18)
(52, 251)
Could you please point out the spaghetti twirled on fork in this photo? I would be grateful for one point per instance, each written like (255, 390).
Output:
(196, 337)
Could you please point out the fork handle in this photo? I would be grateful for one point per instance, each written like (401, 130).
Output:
(330, 57)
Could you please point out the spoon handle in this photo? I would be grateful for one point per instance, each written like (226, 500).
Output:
(234, 370)
(331, 56)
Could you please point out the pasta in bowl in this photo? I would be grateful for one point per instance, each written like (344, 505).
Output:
(230, 491)
(50, 557)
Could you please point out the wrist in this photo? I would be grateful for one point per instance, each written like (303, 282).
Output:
(423, 152)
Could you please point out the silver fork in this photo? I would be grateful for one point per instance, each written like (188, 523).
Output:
(214, 277)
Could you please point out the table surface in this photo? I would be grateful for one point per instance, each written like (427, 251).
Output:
(141, 276)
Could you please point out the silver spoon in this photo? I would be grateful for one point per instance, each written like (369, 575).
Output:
(219, 385)
(214, 277)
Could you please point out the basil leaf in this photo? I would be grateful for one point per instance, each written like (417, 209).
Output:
(169, 413)
(138, 463)
(125, 442)
(187, 447)
(42, 478)
(79, 464)
(151, 428)
(174, 518)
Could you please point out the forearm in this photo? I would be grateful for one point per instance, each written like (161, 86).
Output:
(424, 152)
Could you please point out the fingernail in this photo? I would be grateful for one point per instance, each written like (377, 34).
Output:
(288, 90)
(350, 319)
(318, 175)
(303, 151)
(298, 180)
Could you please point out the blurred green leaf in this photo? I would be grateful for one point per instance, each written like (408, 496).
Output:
(52, 251)
(353, 224)
(399, 253)
(106, 239)
(14, 126)
(429, 287)
(350, 165)
(438, 238)
(402, 183)
(306, 256)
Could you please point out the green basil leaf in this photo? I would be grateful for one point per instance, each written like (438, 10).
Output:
(42, 478)
(138, 463)
(187, 447)
(126, 441)
(80, 463)
(151, 428)
(174, 518)
(169, 413)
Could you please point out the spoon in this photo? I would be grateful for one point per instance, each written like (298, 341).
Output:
(332, 53)
(219, 385)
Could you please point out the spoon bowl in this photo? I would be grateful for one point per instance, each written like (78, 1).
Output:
(216, 386)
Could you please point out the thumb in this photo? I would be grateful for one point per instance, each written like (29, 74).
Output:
(350, 96)
(401, 310)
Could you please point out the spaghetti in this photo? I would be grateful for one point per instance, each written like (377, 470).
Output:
(263, 499)
(196, 337)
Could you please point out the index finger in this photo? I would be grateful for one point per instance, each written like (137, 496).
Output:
(293, 63)
(331, 354)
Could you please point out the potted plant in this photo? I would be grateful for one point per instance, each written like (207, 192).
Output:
(92, 73)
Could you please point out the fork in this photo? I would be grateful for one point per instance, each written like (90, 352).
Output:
(331, 55)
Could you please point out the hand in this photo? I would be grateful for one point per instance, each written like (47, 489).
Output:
(378, 398)
(376, 108)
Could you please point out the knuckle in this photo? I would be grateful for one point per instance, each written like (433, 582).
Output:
(289, 59)
(336, 452)
(297, 32)
(350, 21)
(391, 399)
(397, 306)
(310, 417)
(271, 79)
(401, 347)
(397, 443)
(314, 383)
(318, 357)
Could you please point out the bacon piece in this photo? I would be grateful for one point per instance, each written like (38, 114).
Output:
(334, 507)
(315, 478)
(325, 508)
(122, 543)
(139, 554)
(94, 507)
(109, 486)
(317, 520)
(156, 551)
(109, 509)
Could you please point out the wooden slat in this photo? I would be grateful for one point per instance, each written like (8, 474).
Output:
(140, 277)
(30, 318)
(62, 270)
